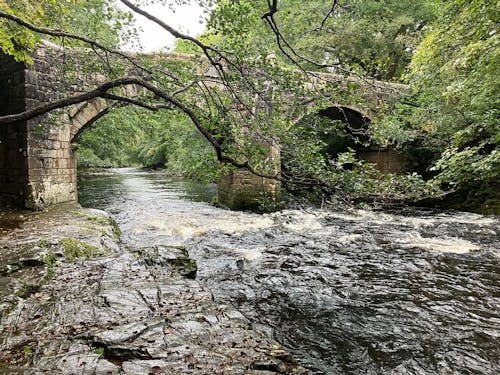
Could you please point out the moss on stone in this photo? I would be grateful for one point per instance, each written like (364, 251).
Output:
(73, 249)
(187, 267)
(106, 221)
(98, 220)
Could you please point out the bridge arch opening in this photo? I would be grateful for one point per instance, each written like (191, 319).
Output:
(340, 127)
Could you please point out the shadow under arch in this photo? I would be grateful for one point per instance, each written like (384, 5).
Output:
(355, 134)
(340, 128)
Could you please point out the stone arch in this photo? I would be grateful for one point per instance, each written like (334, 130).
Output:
(386, 160)
(354, 132)
(83, 115)
(368, 114)
(356, 119)
(357, 126)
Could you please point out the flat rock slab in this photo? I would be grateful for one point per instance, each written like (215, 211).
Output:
(133, 313)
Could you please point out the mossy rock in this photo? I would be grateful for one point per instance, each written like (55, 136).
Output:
(174, 256)
(106, 221)
(187, 267)
(73, 249)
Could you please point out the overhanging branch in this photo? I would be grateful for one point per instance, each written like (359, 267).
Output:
(64, 34)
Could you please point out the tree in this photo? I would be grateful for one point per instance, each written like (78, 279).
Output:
(455, 113)
(97, 20)
(374, 38)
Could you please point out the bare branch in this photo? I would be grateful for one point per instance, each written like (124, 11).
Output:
(330, 12)
(136, 102)
(64, 34)
(65, 102)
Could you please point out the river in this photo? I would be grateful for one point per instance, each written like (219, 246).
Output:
(347, 292)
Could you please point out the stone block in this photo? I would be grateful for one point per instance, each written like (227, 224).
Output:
(88, 113)
(65, 146)
(36, 163)
(53, 136)
(74, 109)
(30, 77)
(38, 172)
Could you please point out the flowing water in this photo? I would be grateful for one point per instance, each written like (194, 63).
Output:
(359, 292)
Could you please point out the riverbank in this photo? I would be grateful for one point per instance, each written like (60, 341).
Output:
(75, 301)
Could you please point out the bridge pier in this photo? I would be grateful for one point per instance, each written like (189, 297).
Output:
(13, 163)
(239, 189)
(242, 190)
(51, 168)
(37, 159)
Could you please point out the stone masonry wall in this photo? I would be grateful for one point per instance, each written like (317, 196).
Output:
(51, 157)
(386, 160)
(241, 190)
(13, 147)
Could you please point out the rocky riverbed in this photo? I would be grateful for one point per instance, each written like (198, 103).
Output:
(73, 300)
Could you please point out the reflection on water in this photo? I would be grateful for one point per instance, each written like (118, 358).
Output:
(348, 292)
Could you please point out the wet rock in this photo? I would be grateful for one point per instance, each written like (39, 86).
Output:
(132, 313)
(146, 367)
(173, 256)
(30, 252)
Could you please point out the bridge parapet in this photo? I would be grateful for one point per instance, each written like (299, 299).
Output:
(367, 96)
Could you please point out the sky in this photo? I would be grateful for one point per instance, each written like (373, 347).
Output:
(186, 19)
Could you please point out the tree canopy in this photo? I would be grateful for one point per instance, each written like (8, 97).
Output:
(95, 20)
(374, 38)
(454, 113)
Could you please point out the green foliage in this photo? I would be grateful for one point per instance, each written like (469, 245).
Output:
(132, 136)
(97, 20)
(99, 350)
(28, 350)
(346, 179)
(50, 261)
(372, 37)
(455, 113)
(110, 140)
(375, 37)
(16, 40)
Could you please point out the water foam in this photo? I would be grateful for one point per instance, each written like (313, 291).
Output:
(443, 245)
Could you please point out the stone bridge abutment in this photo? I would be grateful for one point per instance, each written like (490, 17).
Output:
(37, 157)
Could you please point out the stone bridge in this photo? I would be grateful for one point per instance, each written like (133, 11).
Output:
(38, 156)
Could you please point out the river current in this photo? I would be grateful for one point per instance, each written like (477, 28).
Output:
(348, 292)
